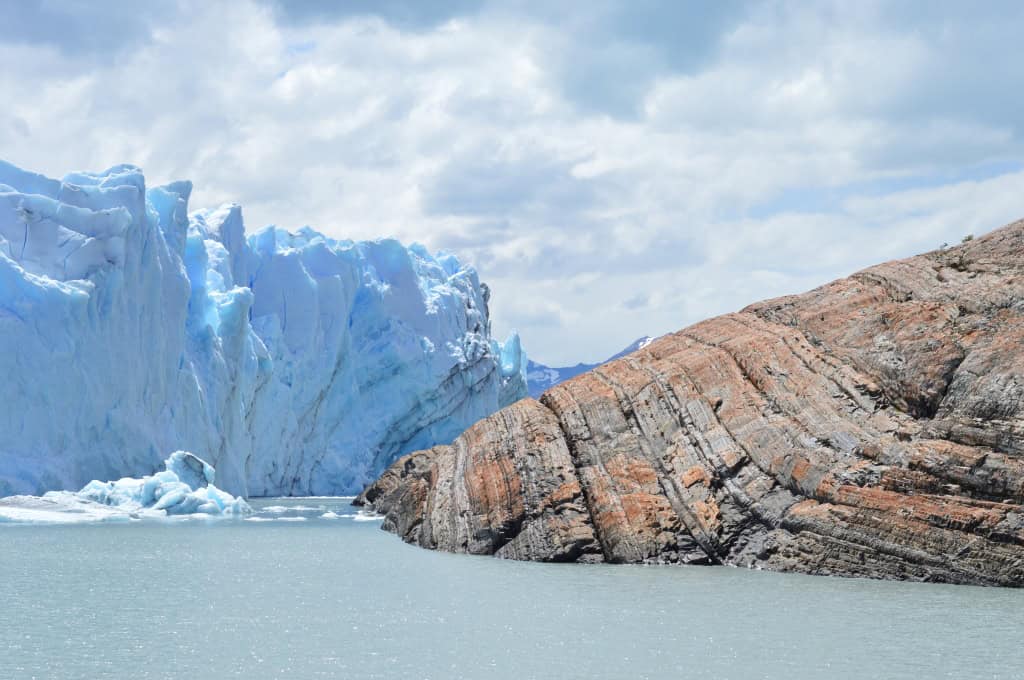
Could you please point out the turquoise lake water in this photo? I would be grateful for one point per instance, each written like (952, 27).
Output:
(338, 598)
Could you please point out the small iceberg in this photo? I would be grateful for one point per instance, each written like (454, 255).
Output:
(184, 487)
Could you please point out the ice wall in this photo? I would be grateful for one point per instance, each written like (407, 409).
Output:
(294, 363)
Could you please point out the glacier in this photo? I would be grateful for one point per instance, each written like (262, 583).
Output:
(295, 363)
(185, 487)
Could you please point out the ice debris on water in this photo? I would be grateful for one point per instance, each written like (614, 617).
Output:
(184, 487)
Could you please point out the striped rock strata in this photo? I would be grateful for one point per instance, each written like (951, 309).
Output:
(871, 427)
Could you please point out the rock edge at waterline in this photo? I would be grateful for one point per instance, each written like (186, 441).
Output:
(871, 427)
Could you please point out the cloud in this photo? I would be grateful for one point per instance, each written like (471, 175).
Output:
(81, 29)
(613, 169)
(479, 184)
(406, 14)
(638, 301)
(630, 45)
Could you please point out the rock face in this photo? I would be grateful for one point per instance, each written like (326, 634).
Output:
(872, 427)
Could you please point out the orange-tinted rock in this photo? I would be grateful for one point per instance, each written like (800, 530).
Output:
(871, 427)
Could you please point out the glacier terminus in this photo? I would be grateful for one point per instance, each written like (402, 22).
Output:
(296, 364)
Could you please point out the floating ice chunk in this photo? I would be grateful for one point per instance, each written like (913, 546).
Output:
(58, 507)
(280, 509)
(185, 487)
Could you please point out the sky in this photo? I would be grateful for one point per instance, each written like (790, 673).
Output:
(612, 169)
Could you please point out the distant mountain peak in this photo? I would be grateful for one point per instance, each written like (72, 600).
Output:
(540, 378)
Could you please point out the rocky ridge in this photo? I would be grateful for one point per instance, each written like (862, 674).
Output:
(540, 378)
(871, 427)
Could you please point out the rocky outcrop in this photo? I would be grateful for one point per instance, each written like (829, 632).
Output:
(871, 427)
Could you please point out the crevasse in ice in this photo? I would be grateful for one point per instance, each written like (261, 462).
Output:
(293, 362)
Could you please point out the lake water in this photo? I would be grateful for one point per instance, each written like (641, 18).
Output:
(338, 598)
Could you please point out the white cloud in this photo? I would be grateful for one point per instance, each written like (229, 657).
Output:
(586, 158)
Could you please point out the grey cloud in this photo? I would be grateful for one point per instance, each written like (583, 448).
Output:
(581, 249)
(478, 234)
(614, 168)
(12, 127)
(476, 184)
(967, 64)
(638, 301)
(604, 55)
(83, 29)
(407, 14)
(628, 45)
(540, 317)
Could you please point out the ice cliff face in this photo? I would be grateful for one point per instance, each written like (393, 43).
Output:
(294, 363)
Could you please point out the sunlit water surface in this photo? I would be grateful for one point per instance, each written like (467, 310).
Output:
(338, 598)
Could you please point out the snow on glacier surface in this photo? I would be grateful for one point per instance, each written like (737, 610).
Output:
(296, 363)
(184, 487)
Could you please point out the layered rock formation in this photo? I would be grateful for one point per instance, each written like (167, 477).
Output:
(871, 427)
